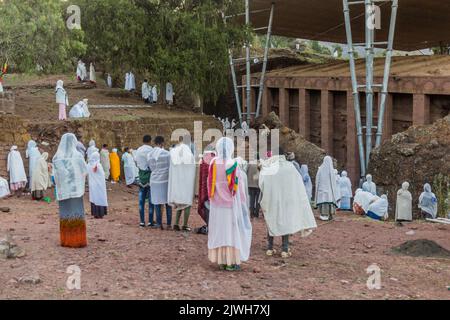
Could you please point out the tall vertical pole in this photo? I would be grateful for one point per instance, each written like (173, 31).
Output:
(387, 70)
(235, 85)
(264, 68)
(369, 76)
(247, 62)
(356, 104)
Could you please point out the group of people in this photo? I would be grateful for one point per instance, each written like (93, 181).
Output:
(150, 93)
(79, 110)
(334, 192)
(82, 75)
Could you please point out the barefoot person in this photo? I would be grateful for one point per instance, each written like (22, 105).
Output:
(181, 181)
(70, 176)
(230, 230)
(159, 164)
(17, 176)
(285, 203)
(97, 187)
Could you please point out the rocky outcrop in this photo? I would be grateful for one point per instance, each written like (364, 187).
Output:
(419, 155)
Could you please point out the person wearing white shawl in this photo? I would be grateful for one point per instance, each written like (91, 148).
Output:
(70, 172)
(181, 182)
(159, 164)
(155, 94)
(428, 202)
(92, 76)
(17, 176)
(33, 155)
(369, 185)
(327, 195)
(169, 93)
(4, 188)
(403, 208)
(62, 99)
(85, 107)
(306, 180)
(362, 201)
(284, 202)
(229, 227)
(104, 160)
(378, 209)
(227, 124)
(127, 81)
(81, 71)
(129, 167)
(146, 91)
(91, 149)
(132, 82)
(97, 187)
(109, 81)
(345, 186)
(336, 174)
(142, 155)
(41, 178)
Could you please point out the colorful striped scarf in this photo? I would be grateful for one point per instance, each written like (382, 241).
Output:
(232, 179)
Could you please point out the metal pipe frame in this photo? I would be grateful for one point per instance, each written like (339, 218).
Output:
(235, 85)
(247, 63)
(355, 91)
(370, 34)
(264, 68)
(387, 71)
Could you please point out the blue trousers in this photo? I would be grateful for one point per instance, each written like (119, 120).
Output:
(144, 193)
(159, 214)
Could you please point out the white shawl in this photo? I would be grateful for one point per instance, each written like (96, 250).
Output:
(15, 166)
(41, 177)
(4, 188)
(97, 184)
(428, 201)
(403, 209)
(181, 177)
(326, 187)
(285, 203)
(345, 185)
(380, 207)
(69, 169)
(129, 167)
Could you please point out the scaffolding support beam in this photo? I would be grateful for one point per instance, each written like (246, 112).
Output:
(264, 67)
(370, 37)
(387, 70)
(355, 91)
(247, 62)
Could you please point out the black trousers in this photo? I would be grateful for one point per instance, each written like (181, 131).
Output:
(254, 201)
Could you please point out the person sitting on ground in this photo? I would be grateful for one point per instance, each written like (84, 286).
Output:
(345, 186)
(80, 110)
(284, 202)
(369, 185)
(428, 203)
(4, 188)
(378, 210)
(182, 181)
(159, 164)
(403, 208)
(362, 201)
(115, 166)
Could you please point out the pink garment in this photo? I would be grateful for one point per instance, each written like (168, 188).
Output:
(223, 197)
(62, 112)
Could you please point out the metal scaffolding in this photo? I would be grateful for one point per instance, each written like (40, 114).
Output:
(369, 86)
(248, 62)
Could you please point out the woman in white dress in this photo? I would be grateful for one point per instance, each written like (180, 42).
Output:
(327, 195)
(403, 209)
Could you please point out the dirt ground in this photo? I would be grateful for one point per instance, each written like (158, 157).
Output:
(123, 261)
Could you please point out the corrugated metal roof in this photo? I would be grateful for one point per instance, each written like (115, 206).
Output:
(420, 23)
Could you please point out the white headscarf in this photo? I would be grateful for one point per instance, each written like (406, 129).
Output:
(59, 85)
(69, 169)
(428, 201)
(369, 185)
(326, 187)
(225, 151)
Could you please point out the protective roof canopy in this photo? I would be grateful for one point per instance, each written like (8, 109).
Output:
(420, 23)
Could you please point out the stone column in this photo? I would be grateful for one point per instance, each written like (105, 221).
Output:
(421, 109)
(326, 109)
(304, 113)
(284, 106)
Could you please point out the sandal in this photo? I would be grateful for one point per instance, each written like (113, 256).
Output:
(286, 255)
(188, 229)
(176, 228)
(270, 253)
